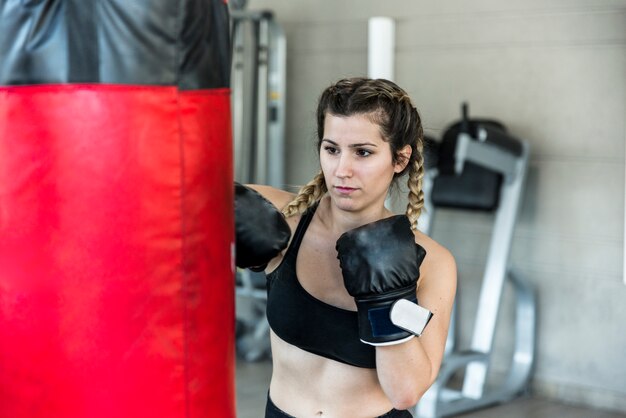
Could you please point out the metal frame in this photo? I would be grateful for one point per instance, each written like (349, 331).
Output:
(440, 400)
(258, 97)
(254, 344)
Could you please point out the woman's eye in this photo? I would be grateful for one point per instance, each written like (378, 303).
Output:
(363, 152)
(330, 149)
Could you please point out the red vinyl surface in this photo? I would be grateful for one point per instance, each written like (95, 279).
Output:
(116, 265)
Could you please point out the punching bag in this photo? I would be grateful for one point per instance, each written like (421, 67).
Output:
(116, 217)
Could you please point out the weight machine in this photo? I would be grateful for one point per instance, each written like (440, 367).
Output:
(479, 166)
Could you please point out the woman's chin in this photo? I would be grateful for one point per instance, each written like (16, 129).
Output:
(345, 204)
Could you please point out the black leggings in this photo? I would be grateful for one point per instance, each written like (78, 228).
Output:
(272, 411)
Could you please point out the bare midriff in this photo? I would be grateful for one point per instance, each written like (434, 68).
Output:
(307, 385)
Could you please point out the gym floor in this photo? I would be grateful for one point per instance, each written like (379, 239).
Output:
(253, 381)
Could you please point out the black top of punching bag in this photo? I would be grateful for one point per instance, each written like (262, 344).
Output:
(180, 43)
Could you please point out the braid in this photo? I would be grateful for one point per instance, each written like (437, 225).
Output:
(307, 196)
(416, 194)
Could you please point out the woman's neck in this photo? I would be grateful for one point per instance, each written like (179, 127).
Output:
(338, 221)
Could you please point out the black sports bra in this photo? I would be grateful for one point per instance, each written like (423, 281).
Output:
(304, 321)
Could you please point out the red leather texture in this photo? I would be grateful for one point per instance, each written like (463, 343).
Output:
(116, 266)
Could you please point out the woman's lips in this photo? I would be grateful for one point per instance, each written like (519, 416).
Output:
(345, 190)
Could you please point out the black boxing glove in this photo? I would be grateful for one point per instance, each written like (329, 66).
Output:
(261, 231)
(380, 265)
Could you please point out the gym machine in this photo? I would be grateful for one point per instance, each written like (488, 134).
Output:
(258, 113)
(258, 97)
(479, 166)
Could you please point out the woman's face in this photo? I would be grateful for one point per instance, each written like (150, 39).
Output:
(357, 163)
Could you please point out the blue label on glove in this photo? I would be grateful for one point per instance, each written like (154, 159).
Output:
(380, 321)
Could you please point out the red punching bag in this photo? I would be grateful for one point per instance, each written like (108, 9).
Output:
(116, 218)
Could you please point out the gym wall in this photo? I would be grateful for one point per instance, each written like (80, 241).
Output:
(554, 72)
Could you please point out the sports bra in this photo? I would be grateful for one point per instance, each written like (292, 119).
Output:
(306, 322)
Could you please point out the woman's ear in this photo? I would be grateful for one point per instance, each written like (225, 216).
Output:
(404, 156)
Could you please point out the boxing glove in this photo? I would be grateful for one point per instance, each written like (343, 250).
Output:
(380, 265)
(261, 231)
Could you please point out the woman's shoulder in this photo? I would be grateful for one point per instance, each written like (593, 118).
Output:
(439, 261)
(433, 249)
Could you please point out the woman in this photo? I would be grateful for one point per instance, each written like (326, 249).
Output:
(332, 355)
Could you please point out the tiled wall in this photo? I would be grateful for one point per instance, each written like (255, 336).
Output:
(554, 72)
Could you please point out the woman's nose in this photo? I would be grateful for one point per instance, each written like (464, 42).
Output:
(344, 166)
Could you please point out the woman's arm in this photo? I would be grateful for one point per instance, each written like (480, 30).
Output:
(279, 198)
(407, 370)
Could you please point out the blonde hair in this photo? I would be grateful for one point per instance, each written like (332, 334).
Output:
(388, 106)
(307, 196)
(416, 194)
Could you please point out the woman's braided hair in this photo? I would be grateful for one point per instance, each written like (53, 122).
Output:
(386, 105)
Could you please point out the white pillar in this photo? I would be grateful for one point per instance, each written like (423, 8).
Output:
(381, 36)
